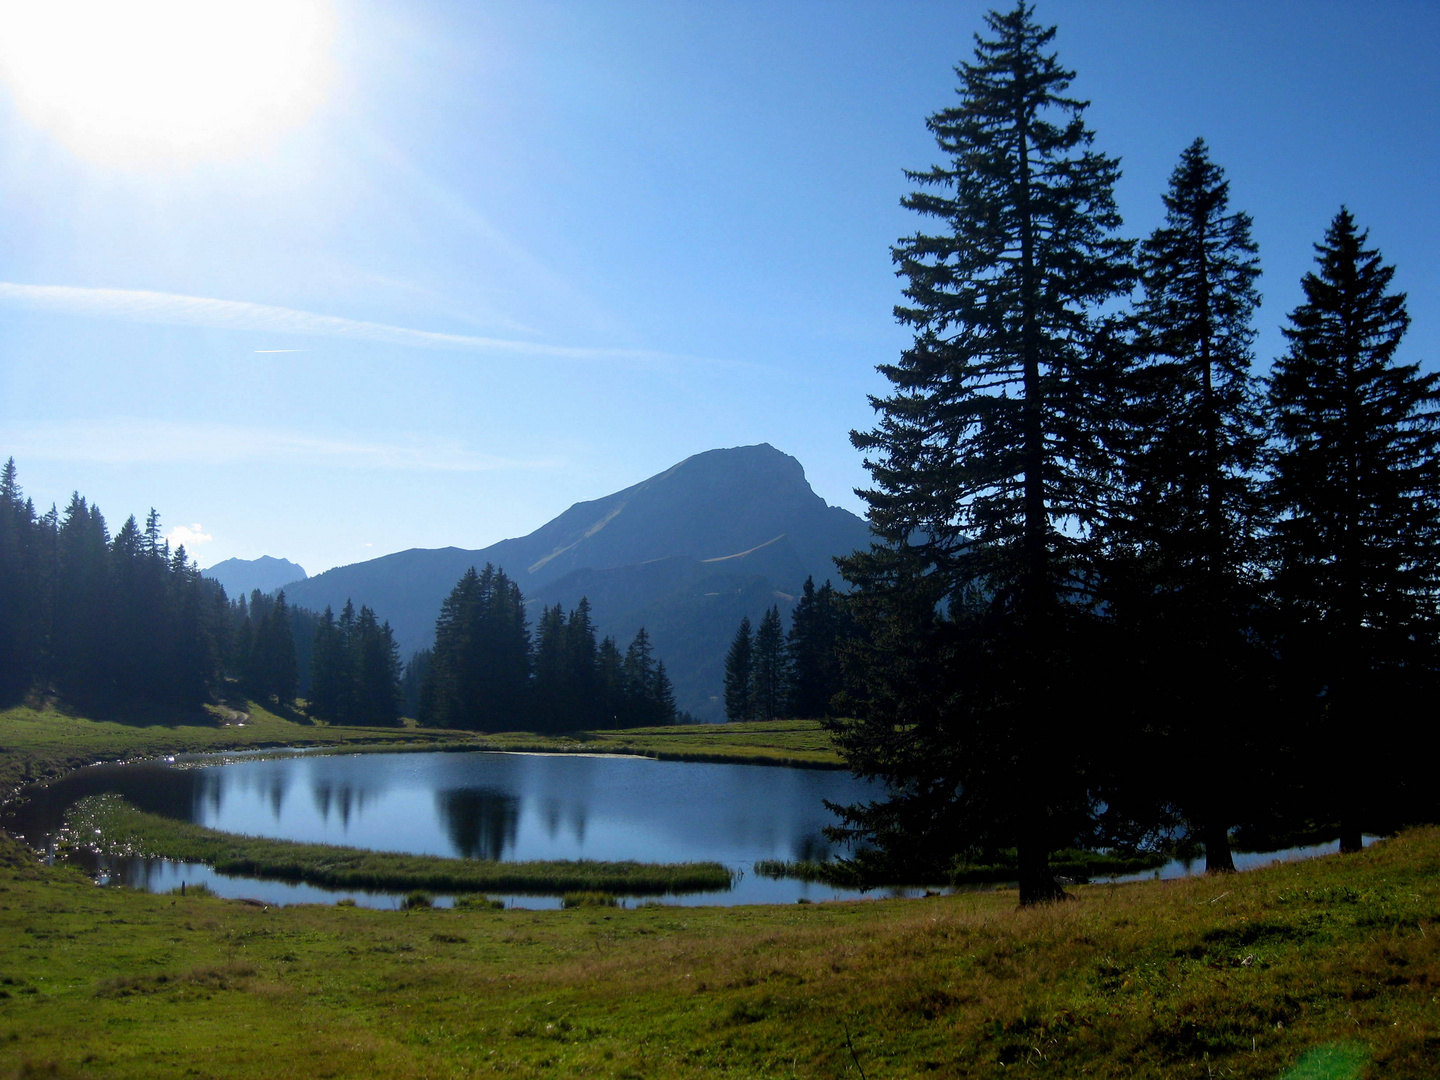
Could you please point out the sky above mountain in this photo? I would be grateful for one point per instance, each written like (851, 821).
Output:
(327, 282)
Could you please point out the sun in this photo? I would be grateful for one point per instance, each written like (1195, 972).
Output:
(136, 82)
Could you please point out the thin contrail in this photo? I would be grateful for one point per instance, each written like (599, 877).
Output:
(136, 305)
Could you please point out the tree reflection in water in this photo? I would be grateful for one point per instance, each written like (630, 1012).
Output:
(480, 822)
(343, 800)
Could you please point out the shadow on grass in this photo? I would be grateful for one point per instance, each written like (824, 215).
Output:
(137, 714)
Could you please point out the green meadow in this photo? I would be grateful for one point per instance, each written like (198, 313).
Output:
(1327, 968)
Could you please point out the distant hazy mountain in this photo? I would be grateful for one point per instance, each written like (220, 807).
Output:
(242, 576)
(685, 553)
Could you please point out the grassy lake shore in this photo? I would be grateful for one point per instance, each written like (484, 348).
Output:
(42, 744)
(110, 824)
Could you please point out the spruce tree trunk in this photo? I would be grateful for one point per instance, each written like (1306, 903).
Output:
(1037, 883)
(1350, 807)
(1218, 859)
(1349, 771)
(1350, 841)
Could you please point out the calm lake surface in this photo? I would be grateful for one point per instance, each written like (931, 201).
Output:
(484, 805)
(478, 805)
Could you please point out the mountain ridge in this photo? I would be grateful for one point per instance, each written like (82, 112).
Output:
(744, 519)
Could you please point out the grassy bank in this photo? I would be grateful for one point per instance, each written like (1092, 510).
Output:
(40, 744)
(112, 825)
(1075, 865)
(1329, 967)
(797, 743)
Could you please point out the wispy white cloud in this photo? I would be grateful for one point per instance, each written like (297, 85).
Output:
(133, 441)
(192, 536)
(174, 309)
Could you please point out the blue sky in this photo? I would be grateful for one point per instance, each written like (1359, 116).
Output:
(517, 255)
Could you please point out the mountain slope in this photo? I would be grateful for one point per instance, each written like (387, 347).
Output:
(690, 607)
(740, 524)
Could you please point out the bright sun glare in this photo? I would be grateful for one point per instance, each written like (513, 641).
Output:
(133, 82)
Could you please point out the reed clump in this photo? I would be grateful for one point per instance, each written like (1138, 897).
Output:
(588, 899)
(1076, 865)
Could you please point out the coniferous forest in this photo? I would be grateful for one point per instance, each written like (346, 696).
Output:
(104, 621)
(116, 624)
(1125, 590)
(485, 668)
(771, 674)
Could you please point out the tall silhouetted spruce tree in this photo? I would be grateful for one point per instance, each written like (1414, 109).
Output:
(817, 626)
(1357, 484)
(1184, 583)
(988, 466)
(739, 694)
(22, 588)
(769, 667)
(328, 681)
(272, 670)
(374, 671)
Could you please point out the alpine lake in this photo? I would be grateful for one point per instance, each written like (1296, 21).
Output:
(465, 805)
(491, 805)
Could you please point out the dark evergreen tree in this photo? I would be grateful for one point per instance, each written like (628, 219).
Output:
(1356, 480)
(479, 670)
(662, 708)
(303, 626)
(552, 669)
(581, 680)
(610, 675)
(22, 585)
(347, 703)
(242, 642)
(132, 617)
(817, 627)
(769, 667)
(192, 653)
(412, 680)
(375, 669)
(82, 604)
(282, 671)
(649, 697)
(639, 672)
(328, 682)
(272, 670)
(739, 667)
(989, 467)
(1184, 581)
(506, 638)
